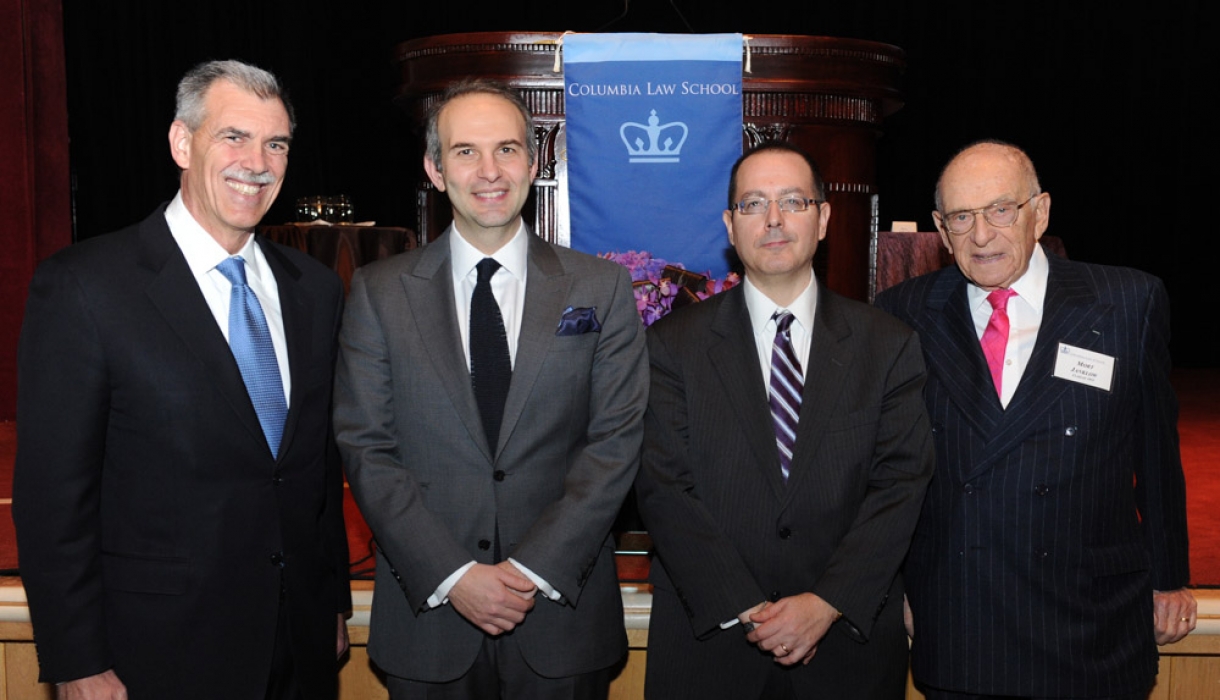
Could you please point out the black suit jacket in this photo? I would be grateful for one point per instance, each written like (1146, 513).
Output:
(729, 533)
(1032, 568)
(154, 527)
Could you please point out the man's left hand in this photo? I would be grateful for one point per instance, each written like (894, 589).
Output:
(341, 644)
(1174, 614)
(792, 627)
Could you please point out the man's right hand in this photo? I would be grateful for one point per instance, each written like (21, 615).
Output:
(493, 598)
(103, 686)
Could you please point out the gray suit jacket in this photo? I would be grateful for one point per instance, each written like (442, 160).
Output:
(410, 435)
(1032, 566)
(730, 533)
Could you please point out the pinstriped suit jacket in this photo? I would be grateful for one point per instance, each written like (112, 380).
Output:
(1047, 525)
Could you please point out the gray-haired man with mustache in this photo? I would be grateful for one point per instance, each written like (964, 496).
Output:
(177, 495)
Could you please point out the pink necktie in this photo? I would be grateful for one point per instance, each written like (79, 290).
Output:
(995, 338)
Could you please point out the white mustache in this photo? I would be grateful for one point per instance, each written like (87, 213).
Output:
(249, 176)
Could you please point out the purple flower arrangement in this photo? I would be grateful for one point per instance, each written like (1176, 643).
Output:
(661, 286)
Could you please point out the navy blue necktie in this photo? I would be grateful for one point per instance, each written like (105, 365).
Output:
(491, 368)
(785, 391)
(250, 341)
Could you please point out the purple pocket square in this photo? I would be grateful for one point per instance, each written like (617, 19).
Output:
(578, 321)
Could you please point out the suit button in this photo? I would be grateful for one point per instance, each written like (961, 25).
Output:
(277, 479)
(277, 559)
(484, 545)
(1042, 553)
(1042, 489)
(498, 475)
(968, 489)
(784, 533)
(936, 428)
(774, 597)
(1070, 431)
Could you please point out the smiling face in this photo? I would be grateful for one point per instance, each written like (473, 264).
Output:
(990, 256)
(485, 167)
(776, 247)
(232, 165)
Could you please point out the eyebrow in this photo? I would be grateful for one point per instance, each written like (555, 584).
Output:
(506, 142)
(785, 191)
(241, 133)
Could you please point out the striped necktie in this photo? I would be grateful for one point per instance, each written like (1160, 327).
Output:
(785, 390)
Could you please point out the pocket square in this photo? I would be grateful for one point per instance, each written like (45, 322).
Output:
(578, 321)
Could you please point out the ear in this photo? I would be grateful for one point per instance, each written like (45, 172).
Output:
(180, 144)
(823, 220)
(944, 233)
(1042, 214)
(434, 174)
(728, 226)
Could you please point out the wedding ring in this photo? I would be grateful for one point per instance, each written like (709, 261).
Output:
(785, 648)
(1183, 619)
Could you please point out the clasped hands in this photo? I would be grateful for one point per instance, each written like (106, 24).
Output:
(790, 628)
(494, 598)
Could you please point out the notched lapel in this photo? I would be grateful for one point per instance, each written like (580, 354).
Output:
(735, 359)
(429, 291)
(175, 294)
(297, 309)
(546, 291)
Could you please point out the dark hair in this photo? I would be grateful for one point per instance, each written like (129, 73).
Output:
(476, 86)
(193, 89)
(819, 189)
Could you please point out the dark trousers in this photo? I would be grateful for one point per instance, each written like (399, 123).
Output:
(934, 694)
(282, 682)
(501, 672)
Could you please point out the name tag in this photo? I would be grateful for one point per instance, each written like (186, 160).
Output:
(1084, 366)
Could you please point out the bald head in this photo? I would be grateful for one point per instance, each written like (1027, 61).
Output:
(989, 149)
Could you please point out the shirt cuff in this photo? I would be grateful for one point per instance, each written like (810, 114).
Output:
(440, 596)
(540, 582)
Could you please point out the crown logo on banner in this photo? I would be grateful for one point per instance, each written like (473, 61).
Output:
(644, 141)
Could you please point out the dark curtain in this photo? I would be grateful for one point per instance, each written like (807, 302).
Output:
(1108, 102)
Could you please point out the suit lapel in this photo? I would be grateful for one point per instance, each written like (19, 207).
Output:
(175, 294)
(545, 287)
(829, 360)
(954, 355)
(734, 358)
(1070, 315)
(428, 287)
(297, 310)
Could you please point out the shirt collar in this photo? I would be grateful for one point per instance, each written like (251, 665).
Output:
(201, 251)
(1030, 287)
(512, 256)
(762, 309)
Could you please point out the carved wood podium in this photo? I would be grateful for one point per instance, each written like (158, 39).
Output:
(826, 95)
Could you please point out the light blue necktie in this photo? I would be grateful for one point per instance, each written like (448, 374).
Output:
(250, 342)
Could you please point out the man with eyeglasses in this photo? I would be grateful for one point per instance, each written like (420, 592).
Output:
(1051, 555)
(786, 454)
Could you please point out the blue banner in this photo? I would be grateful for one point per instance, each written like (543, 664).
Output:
(653, 127)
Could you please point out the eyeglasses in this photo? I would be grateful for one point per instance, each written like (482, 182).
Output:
(1000, 215)
(788, 205)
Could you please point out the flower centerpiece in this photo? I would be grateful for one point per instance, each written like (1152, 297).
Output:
(661, 286)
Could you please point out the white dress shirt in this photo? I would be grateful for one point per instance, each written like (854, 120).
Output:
(508, 287)
(762, 320)
(203, 254)
(1024, 319)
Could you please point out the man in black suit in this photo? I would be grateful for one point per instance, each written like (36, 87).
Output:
(786, 454)
(179, 538)
(1051, 555)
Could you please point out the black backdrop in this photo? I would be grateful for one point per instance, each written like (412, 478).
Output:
(1109, 103)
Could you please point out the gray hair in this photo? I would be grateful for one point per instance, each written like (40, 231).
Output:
(477, 86)
(1025, 162)
(193, 88)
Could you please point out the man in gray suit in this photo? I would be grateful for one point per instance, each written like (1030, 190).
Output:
(1051, 555)
(489, 397)
(786, 454)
